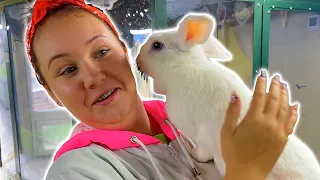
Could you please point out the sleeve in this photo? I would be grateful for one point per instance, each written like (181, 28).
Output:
(88, 164)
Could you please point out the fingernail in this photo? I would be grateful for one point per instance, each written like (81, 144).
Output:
(277, 77)
(263, 74)
(234, 99)
(285, 86)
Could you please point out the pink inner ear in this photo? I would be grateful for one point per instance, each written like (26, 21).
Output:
(196, 30)
(192, 30)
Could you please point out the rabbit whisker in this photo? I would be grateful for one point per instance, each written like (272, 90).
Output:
(143, 74)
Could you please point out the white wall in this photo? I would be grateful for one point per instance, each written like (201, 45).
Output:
(294, 53)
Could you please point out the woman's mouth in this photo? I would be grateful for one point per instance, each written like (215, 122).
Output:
(107, 98)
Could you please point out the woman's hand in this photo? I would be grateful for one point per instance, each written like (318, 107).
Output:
(251, 149)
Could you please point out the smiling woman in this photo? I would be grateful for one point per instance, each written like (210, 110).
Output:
(76, 77)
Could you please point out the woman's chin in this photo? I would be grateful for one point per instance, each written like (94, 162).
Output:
(112, 124)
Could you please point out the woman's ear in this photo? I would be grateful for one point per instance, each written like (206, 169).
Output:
(124, 47)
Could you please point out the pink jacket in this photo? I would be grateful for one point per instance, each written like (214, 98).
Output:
(84, 136)
(121, 155)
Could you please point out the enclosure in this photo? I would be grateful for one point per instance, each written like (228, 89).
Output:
(279, 35)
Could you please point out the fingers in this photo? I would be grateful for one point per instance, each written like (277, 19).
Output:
(291, 122)
(273, 99)
(259, 95)
(232, 115)
(284, 104)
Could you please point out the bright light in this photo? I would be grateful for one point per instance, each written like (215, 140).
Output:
(141, 13)
(145, 31)
(1, 27)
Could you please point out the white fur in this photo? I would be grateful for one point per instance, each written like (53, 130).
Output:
(198, 93)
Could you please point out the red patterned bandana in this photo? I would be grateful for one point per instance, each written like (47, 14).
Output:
(40, 9)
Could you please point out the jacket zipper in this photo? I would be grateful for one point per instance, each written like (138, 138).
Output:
(175, 156)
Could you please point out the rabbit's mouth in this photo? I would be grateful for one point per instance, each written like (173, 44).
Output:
(143, 74)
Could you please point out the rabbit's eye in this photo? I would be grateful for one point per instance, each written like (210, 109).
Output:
(157, 46)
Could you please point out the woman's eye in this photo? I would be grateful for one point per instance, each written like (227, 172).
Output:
(103, 52)
(68, 70)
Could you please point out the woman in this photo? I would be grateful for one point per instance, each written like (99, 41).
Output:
(79, 59)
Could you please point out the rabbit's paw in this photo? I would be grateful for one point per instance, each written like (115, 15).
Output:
(201, 155)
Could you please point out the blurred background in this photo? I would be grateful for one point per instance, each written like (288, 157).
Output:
(279, 35)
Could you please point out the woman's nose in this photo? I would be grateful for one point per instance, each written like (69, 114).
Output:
(93, 76)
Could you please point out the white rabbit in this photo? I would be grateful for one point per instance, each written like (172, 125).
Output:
(198, 92)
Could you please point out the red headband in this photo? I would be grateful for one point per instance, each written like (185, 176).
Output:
(40, 9)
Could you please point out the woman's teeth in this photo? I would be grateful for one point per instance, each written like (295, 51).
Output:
(105, 96)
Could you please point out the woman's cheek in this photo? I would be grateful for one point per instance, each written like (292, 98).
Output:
(67, 93)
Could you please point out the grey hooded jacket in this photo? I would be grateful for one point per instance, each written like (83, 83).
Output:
(123, 155)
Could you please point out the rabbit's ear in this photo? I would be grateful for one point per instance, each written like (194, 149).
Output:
(214, 49)
(195, 29)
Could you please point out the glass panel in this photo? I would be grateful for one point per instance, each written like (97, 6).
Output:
(34, 107)
(235, 31)
(294, 53)
(235, 28)
(7, 139)
(53, 131)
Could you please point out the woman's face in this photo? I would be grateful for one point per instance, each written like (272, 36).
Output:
(86, 69)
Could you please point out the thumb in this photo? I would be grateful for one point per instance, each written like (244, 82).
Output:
(232, 115)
